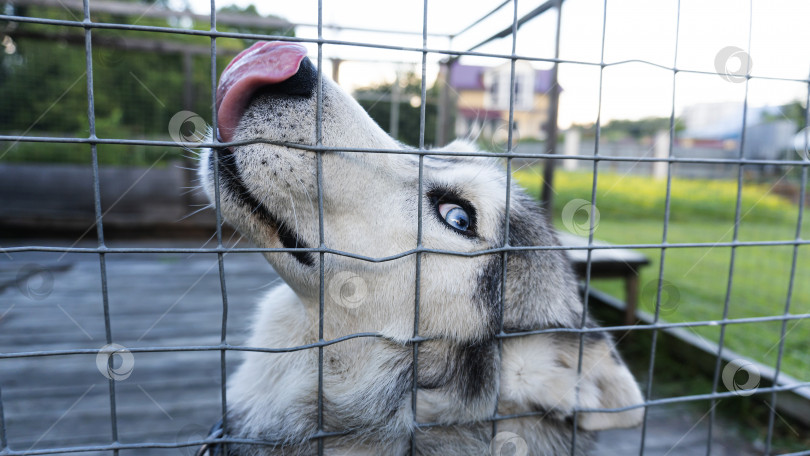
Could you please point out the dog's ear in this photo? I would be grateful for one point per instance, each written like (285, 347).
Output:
(540, 373)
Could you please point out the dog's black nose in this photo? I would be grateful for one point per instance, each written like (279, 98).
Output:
(278, 67)
(301, 84)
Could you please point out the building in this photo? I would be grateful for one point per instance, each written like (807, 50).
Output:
(769, 134)
(483, 100)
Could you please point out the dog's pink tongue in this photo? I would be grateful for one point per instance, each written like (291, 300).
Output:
(262, 64)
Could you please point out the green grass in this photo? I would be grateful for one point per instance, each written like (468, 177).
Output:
(631, 211)
(637, 197)
(700, 275)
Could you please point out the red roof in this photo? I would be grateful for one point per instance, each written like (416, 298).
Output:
(483, 114)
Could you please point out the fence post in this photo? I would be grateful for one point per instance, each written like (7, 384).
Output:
(571, 147)
(393, 127)
(189, 175)
(443, 108)
(547, 195)
(660, 150)
(336, 69)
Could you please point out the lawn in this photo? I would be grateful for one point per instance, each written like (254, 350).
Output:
(631, 211)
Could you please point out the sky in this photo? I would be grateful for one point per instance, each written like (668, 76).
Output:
(778, 46)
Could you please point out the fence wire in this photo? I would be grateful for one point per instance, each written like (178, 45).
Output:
(223, 347)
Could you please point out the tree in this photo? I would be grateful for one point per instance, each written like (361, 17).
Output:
(43, 87)
(635, 129)
(377, 99)
(794, 111)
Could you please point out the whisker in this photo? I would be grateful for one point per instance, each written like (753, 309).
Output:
(207, 206)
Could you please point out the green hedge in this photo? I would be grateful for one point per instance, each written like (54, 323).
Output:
(643, 197)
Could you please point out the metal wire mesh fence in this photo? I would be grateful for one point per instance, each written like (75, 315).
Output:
(594, 159)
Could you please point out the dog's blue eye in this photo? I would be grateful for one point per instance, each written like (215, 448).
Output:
(455, 216)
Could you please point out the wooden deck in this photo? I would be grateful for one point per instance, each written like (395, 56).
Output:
(166, 300)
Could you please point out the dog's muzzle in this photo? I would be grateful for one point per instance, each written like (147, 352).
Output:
(277, 67)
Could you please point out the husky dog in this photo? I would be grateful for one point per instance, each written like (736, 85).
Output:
(465, 373)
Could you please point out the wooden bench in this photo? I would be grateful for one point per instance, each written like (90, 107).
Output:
(608, 264)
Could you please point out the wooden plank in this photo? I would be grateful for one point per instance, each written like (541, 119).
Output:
(610, 256)
(62, 401)
(703, 353)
